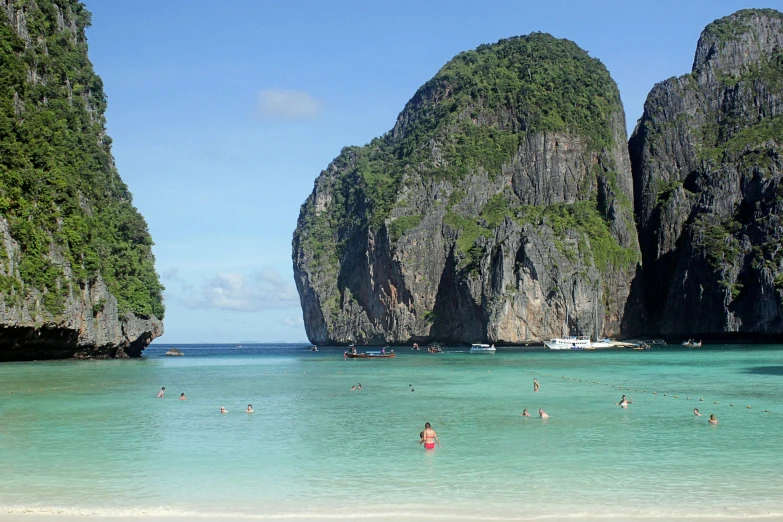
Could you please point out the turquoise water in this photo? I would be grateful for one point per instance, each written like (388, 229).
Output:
(102, 443)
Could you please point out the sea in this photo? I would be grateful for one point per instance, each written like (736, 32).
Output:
(89, 437)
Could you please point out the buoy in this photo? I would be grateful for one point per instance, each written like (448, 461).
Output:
(676, 396)
(655, 393)
(687, 398)
(766, 411)
(645, 391)
(731, 405)
(748, 407)
(664, 395)
(716, 402)
(702, 400)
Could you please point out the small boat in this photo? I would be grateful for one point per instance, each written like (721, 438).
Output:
(415, 346)
(482, 348)
(569, 343)
(601, 343)
(370, 355)
(313, 348)
(174, 351)
(690, 343)
(434, 348)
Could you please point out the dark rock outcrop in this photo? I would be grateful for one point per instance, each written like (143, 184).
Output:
(498, 208)
(77, 274)
(707, 159)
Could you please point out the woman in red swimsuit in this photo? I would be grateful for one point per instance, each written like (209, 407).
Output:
(429, 437)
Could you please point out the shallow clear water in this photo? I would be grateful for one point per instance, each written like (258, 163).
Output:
(102, 443)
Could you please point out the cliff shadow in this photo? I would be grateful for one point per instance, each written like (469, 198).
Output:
(765, 370)
(454, 320)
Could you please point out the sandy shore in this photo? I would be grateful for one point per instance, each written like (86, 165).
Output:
(157, 518)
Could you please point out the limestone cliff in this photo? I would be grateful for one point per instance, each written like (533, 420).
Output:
(707, 159)
(77, 274)
(498, 208)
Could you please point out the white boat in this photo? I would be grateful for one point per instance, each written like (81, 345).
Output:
(602, 343)
(482, 348)
(569, 343)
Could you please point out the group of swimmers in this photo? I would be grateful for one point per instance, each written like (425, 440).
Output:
(162, 393)
(713, 418)
(541, 412)
(624, 402)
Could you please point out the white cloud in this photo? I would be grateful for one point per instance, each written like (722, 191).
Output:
(263, 290)
(170, 274)
(294, 322)
(288, 105)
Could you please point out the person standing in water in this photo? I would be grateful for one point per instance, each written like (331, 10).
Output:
(696, 412)
(429, 437)
(713, 420)
(535, 385)
(223, 410)
(182, 396)
(161, 393)
(542, 413)
(249, 409)
(525, 413)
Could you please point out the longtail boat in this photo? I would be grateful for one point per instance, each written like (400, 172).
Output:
(370, 355)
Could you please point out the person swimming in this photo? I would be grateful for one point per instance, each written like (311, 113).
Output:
(182, 396)
(429, 437)
(359, 386)
(713, 419)
(161, 393)
(249, 409)
(223, 410)
(353, 388)
(526, 413)
(536, 386)
(542, 413)
(696, 412)
(624, 402)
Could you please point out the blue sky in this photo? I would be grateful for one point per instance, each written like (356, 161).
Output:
(223, 114)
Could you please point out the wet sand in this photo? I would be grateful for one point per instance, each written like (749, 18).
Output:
(157, 518)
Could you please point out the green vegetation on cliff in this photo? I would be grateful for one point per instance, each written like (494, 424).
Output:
(731, 27)
(470, 118)
(59, 190)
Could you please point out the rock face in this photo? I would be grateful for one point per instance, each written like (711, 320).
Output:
(498, 209)
(77, 275)
(708, 185)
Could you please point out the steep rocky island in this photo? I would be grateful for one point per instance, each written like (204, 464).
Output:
(707, 160)
(77, 275)
(499, 208)
(501, 205)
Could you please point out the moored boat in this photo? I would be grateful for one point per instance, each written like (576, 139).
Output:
(569, 343)
(174, 351)
(482, 348)
(370, 355)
